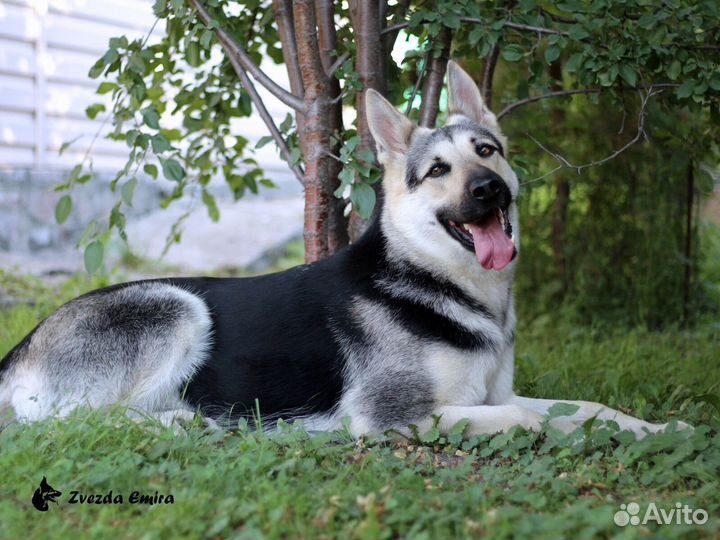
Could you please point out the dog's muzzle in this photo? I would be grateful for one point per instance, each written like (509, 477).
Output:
(482, 224)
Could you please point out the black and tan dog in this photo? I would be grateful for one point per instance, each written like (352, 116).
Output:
(414, 320)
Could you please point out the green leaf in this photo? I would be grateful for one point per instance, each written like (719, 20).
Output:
(431, 436)
(363, 199)
(209, 201)
(67, 144)
(573, 63)
(74, 173)
(97, 69)
(106, 87)
(266, 182)
(513, 53)
(118, 42)
(552, 53)
(137, 64)
(192, 54)
(365, 155)
(451, 21)
(578, 32)
(151, 117)
(172, 169)
(562, 409)
(63, 209)
(93, 110)
(110, 57)
(628, 73)
(685, 90)
(263, 141)
(151, 170)
(206, 39)
(286, 124)
(94, 253)
(714, 83)
(347, 176)
(455, 435)
(117, 219)
(674, 70)
(160, 143)
(160, 8)
(128, 190)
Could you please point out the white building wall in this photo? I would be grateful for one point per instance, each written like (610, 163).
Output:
(46, 50)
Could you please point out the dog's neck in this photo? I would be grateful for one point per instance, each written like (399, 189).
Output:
(487, 287)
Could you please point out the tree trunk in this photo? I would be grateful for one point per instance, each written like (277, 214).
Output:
(286, 29)
(369, 64)
(327, 38)
(562, 188)
(434, 81)
(687, 284)
(315, 135)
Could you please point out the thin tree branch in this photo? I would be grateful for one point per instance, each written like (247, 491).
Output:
(434, 81)
(507, 24)
(233, 48)
(390, 36)
(327, 36)
(394, 28)
(337, 63)
(557, 18)
(519, 26)
(266, 118)
(286, 31)
(563, 93)
(487, 83)
(565, 164)
(416, 88)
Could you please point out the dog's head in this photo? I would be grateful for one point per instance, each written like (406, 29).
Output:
(449, 192)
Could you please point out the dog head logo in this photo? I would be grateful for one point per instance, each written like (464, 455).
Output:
(449, 192)
(44, 494)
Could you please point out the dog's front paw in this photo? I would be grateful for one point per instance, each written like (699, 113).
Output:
(642, 430)
(678, 425)
(563, 425)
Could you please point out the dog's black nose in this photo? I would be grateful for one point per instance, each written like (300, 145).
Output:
(485, 188)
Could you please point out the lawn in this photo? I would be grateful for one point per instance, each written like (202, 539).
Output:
(289, 484)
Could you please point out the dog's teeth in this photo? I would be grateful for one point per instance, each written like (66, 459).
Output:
(464, 226)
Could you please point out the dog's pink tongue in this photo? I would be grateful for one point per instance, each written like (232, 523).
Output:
(493, 249)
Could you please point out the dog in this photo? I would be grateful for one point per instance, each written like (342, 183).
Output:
(44, 494)
(412, 324)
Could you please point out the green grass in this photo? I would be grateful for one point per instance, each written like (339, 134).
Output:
(244, 484)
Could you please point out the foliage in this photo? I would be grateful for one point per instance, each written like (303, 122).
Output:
(251, 485)
(175, 101)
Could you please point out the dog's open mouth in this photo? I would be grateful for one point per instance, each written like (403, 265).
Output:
(490, 238)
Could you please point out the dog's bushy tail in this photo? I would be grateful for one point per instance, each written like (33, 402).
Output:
(6, 410)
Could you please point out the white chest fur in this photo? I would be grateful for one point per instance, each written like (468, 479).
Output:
(460, 377)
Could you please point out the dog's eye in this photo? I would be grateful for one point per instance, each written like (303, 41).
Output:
(485, 150)
(438, 170)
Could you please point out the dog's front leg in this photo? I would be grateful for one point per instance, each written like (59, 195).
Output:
(588, 409)
(482, 419)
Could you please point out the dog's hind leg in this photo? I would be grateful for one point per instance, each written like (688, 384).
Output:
(176, 417)
(136, 345)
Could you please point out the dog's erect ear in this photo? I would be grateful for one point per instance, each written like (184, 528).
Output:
(390, 129)
(465, 97)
